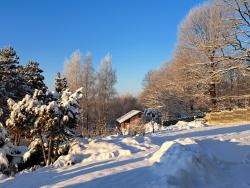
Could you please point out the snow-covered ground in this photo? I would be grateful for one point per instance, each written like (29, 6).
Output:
(205, 156)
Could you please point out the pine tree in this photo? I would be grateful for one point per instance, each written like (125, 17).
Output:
(8, 65)
(33, 76)
(11, 81)
(46, 116)
(61, 83)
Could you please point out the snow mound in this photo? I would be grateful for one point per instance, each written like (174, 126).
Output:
(138, 143)
(181, 163)
(3, 176)
(92, 151)
(183, 125)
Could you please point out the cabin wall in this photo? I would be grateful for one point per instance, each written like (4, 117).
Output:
(130, 122)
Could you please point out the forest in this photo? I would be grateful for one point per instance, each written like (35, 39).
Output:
(209, 72)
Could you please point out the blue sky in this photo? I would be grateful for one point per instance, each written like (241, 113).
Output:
(140, 34)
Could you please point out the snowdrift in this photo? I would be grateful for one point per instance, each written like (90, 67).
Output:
(183, 125)
(182, 163)
(106, 148)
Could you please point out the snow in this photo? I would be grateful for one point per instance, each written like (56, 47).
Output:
(183, 164)
(30, 150)
(204, 156)
(128, 115)
(102, 149)
(3, 158)
(182, 125)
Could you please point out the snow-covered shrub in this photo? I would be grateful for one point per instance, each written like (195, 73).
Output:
(6, 151)
(152, 114)
(49, 117)
(152, 117)
(34, 155)
(21, 119)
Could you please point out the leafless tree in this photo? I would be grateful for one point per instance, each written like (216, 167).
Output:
(203, 34)
(72, 70)
(88, 84)
(210, 66)
(105, 88)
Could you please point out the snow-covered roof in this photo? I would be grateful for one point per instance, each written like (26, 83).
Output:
(128, 116)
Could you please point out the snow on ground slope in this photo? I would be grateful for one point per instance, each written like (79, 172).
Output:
(215, 156)
(183, 125)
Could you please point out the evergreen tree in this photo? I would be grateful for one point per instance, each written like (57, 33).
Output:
(12, 84)
(33, 76)
(6, 149)
(8, 74)
(47, 117)
(61, 83)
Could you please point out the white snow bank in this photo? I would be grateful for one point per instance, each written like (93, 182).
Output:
(3, 176)
(93, 151)
(182, 164)
(105, 148)
(182, 125)
(139, 143)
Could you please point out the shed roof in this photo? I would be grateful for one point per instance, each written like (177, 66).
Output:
(128, 116)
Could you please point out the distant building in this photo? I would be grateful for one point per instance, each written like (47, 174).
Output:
(130, 118)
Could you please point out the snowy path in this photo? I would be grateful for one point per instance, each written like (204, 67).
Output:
(217, 156)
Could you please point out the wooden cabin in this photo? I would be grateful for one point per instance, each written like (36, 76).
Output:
(128, 119)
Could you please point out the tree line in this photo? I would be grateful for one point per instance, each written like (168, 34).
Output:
(101, 105)
(210, 69)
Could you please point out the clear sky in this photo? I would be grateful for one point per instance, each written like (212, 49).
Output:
(140, 34)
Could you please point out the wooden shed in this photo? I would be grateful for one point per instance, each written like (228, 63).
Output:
(129, 118)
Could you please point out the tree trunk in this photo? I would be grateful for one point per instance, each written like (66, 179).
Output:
(212, 93)
(212, 84)
(57, 148)
(50, 150)
(18, 139)
(43, 149)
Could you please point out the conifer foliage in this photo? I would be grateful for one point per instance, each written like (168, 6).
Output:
(15, 80)
(33, 76)
(9, 78)
(47, 117)
(61, 83)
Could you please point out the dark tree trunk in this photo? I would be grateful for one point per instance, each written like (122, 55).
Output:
(212, 84)
(50, 151)
(43, 149)
(212, 93)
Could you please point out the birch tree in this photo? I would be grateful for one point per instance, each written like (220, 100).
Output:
(72, 70)
(105, 87)
(88, 85)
